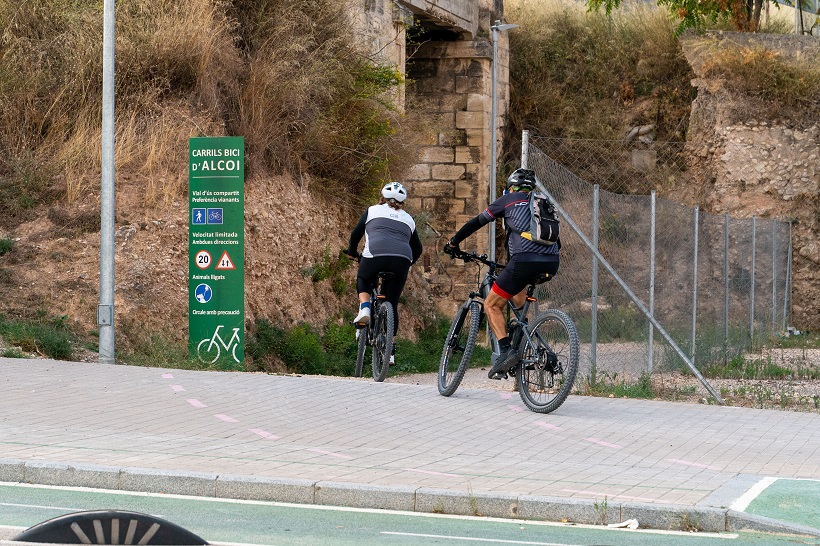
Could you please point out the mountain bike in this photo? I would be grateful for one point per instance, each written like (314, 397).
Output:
(548, 345)
(377, 334)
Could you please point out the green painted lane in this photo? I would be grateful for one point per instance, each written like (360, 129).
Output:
(224, 521)
(795, 501)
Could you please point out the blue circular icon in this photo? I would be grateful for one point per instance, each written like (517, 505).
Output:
(203, 293)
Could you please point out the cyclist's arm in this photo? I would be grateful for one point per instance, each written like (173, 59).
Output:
(415, 246)
(356, 235)
(470, 227)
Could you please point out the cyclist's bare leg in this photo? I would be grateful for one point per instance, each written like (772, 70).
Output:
(364, 297)
(494, 307)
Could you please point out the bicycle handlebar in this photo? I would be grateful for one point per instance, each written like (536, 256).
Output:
(471, 257)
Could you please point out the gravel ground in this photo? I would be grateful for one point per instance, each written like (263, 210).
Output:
(786, 394)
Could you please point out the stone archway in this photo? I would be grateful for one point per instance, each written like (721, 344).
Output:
(448, 62)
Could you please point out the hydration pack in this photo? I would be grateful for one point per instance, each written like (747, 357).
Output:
(544, 223)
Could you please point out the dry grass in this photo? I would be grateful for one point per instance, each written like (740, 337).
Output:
(576, 74)
(286, 74)
(783, 87)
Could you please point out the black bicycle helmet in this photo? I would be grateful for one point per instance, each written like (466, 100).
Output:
(522, 179)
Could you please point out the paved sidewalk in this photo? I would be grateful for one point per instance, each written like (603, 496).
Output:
(358, 443)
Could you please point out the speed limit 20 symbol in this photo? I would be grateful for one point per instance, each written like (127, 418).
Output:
(203, 259)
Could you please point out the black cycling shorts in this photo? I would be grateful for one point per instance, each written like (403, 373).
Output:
(521, 270)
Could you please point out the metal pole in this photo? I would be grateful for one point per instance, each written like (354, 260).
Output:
(695, 285)
(774, 277)
(594, 337)
(650, 348)
(493, 129)
(496, 28)
(787, 288)
(525, 148)
(752, 290)
(105, 310)
(725, 286)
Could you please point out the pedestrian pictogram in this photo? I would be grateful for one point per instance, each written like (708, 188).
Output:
(203, 259)
(225, 262)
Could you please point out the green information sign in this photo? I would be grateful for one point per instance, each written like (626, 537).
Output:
(216, 250)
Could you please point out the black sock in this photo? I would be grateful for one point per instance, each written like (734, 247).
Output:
(504, 344)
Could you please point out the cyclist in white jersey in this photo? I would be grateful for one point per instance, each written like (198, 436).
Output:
(391, 244)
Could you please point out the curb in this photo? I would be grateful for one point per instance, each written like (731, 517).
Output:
(408, 498)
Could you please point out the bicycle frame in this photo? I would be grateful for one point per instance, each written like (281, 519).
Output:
(518, 313)
(378, 333)
(544, 372)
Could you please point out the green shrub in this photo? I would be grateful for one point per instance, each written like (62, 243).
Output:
(50, 337)
(607, 385)
(6, 246)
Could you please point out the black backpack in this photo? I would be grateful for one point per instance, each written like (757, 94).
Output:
(544, 223)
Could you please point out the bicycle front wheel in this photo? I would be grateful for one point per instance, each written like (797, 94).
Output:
(458, 348)
(546, 373)
(362, 341)
(382, 340)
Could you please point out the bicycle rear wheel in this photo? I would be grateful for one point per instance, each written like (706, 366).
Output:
(458, 348)
(545, 375)
(382, 340)
(362, 335)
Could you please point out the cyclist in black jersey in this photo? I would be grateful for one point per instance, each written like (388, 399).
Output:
(527, 259)
(391, 244)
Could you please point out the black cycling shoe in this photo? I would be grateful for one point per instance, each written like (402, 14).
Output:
(503, 362)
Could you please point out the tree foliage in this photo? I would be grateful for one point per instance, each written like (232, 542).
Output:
(743, 14)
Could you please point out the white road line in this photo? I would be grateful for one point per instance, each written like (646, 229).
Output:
(39, 506)
(746, 498)
(472, 539)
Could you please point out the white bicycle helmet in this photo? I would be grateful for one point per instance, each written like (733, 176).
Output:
(395, 191)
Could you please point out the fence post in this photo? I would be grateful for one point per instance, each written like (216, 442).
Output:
(695, 285)
(525, 148)
(650, 348)
(594, 326)
(725, 287)
(752, 290)
(787, 287)
(774, 278)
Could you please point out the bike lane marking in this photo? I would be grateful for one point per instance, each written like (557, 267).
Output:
(196, 403)
(746, 498)
(796, 500)
(547, 425)
(431, 472)
(696, 465)
(226, 418)
(263, 433)
(602, 443)
(329, 453)
(177, 388)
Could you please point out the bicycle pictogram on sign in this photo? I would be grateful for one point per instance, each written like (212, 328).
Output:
(215, 344)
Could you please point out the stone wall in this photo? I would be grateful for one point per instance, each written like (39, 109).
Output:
(450, 83)
(761, 167)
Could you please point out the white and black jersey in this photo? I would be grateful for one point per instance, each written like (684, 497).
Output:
(387, 232)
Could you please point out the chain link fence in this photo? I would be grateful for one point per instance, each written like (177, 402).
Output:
(716, 286)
